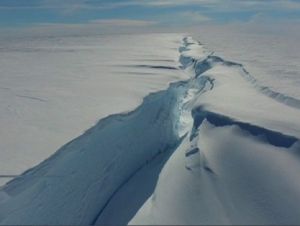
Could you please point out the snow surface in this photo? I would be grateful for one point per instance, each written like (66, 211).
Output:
(270, 55)
(52, 89)
(213, 148)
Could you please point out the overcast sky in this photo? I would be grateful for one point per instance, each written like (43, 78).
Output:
(144, 14)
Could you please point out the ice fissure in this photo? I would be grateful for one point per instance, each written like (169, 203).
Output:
(77, 183)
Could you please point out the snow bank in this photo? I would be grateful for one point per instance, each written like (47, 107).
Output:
(239, 162)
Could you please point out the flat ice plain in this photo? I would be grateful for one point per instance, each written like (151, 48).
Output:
(52, 89)
(176, 134)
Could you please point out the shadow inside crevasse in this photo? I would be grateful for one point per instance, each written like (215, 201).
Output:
(131, 196)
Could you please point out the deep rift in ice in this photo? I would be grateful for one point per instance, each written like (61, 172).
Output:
(89, 179)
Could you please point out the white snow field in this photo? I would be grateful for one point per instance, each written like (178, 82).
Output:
(214, 147)
(52, 89)
(270, 53)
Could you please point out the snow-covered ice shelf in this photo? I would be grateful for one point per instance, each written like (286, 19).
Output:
(52, 89)
(212, 148)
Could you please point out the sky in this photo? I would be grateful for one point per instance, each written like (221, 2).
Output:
(143, 14)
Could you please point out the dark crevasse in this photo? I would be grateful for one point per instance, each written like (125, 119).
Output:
(272, 137)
